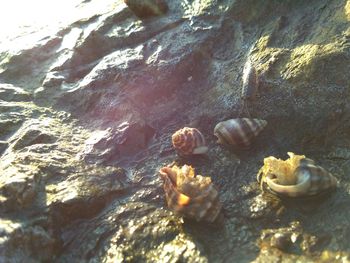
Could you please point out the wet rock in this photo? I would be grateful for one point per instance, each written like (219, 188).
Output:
(53, 79)
(147, 8)
(85, 193)
(335, 256)
(18, 66)
(105, 67)
(9, 92)
(9, 125)
(282, 241)
(3, 146)
(340, 153)
(311, 244)
(18, 189)
(125, 97)
(261, 206)
(25, 243)
(293, 239)
(31, 133)
(126, 140)
(126, 229)
(51, 85)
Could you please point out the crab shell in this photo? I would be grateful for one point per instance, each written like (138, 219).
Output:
(310, 180)
(190, 195)
(239, 132)
(189, 141)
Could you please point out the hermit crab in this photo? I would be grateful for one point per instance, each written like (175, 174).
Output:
(189, 141)
(297, 176)
(239, 132)
(190, 195)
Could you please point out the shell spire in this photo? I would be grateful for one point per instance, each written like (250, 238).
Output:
(297, 176)
(189, 141)
(190, 195)
(239, 132)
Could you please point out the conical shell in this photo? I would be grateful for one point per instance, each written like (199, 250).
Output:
(250, 81)
(296, 177)
(188, 141)
(147, 8)
(190, 195)
(239, 132)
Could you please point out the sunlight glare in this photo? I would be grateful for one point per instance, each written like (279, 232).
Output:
(19, 15)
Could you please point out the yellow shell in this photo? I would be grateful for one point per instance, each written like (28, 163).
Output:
(295, 177)
(188, 141)
(239, 132)
(190, 195)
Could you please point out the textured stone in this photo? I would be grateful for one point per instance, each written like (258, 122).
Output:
(25, 243)
(9, 92)
(106, 89)
(113, 145)
(18, 189)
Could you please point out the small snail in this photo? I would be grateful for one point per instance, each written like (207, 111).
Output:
(250, 81)
(188, 141)
(147, 8)
(190, 195)
(250, 86)
(295, 177)
(239, 132)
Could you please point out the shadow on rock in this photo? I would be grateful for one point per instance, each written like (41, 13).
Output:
(114, 145)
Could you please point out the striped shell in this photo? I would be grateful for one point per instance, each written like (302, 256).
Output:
(188, 141)
(239, 132)
(190, 195)
(250, 81)
(296, 177)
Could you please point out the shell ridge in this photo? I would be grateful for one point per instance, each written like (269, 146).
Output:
(187, 140)
(193, 196)
(239, 132)
(227, 130)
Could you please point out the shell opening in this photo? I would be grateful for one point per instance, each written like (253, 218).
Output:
(183, 200)
(200, 150)
(302, 185)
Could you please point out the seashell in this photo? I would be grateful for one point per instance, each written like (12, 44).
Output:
(147, 8)
(250, 81)
(190, 195)
(239, 132)
(188, 141)
(295, 177)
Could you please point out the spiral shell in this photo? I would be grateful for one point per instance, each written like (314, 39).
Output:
(147, 8)
(188, 141)
(190, 195)
(295, 177)
(250, 81)
(239, 132)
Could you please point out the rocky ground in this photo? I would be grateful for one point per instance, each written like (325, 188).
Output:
(87, 113)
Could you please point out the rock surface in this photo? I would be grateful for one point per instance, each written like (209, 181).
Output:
(87, 110)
